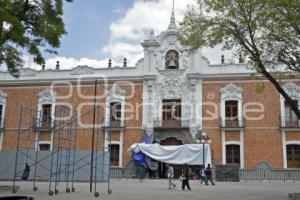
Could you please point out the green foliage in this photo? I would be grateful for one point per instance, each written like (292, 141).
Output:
(266, 31)
(30, 26)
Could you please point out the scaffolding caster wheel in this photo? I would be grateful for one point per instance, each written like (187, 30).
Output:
(56, 191)
(96, 194)
(109, 191)
(35, 188)
(51, 193)
(14, 190)
(73, 189)
(68, 190)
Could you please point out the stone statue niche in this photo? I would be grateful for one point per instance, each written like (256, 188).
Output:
(172, 59)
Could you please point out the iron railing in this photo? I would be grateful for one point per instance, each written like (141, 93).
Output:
(269, 174)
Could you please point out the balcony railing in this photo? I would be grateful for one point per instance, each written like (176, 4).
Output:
(115, 124)
(232, 123)
(43, 125)
(290, 123)
(171, 123)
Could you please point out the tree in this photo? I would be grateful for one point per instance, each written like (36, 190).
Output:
(30, 26)
(265, 31)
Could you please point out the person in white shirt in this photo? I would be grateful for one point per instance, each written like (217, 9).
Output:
(170, 175)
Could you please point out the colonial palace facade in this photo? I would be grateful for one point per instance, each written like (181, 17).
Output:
(172, 92)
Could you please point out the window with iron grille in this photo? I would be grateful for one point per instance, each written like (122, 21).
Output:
(114, 154)
(115, 111)
(293, 152)
(46, 116)
(233, 154)
(44, 147)
(171, 109)
(231, 110)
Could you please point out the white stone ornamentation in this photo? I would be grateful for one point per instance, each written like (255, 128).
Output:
(27, 72)
(2, 97)
(82, 69)
(293, 90)
(47, 96)
(231, 92)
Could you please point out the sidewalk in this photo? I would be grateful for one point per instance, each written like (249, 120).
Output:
(158, 189)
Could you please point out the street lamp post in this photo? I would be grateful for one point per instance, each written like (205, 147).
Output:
(204, 139)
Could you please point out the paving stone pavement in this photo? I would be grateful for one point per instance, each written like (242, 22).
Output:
(158, 189)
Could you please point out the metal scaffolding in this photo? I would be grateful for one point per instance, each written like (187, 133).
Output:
(61, 163)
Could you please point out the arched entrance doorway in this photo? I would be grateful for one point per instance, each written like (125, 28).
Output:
(171, 141)
(293, 155)
(162, 167)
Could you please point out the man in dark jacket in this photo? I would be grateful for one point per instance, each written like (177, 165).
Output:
(208, 175)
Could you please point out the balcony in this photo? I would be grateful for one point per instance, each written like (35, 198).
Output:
(171, 124)
(289, 124)
(115, 124)
(232, 124)
(42, 126)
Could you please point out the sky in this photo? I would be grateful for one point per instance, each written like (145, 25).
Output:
(99, 30)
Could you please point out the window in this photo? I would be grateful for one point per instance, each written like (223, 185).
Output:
(172, 59)
(44, 147)
(233, 154)
(114, 154)
(231, 110)
(290, 115)
(46, 116)
(171, 109)
(293, 155)
(1, 111)
(115, 111)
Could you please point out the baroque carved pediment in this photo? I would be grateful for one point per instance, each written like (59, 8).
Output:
(46, 96)
(82, 69)
(231, 91)
(292, 89)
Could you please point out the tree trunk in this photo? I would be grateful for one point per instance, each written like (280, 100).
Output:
(288, 99)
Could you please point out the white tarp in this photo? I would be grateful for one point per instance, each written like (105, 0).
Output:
(191, 154)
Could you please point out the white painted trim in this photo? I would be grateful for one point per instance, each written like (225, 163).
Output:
(242, 150)
(44, 142)
(231, 92)
(121, 148)
(223, 148)
(232, 142)
(292, 142)
(3, 97)
(284, 149)
(46, 97)
(120, 151)
(297, 142)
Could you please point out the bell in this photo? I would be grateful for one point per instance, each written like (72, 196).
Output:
(172, 64)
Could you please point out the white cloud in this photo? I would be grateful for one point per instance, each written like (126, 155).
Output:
(128, 32)
(67, 63)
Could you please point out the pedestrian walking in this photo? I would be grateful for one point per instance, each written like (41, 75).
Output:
(170, 176)
(185, 174)
(208, 175)
(202, 175)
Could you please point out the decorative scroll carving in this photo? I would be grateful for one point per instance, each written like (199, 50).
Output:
(46, 96)
(27, 72)
(231, 91)
(82, 69)
(293, 90)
